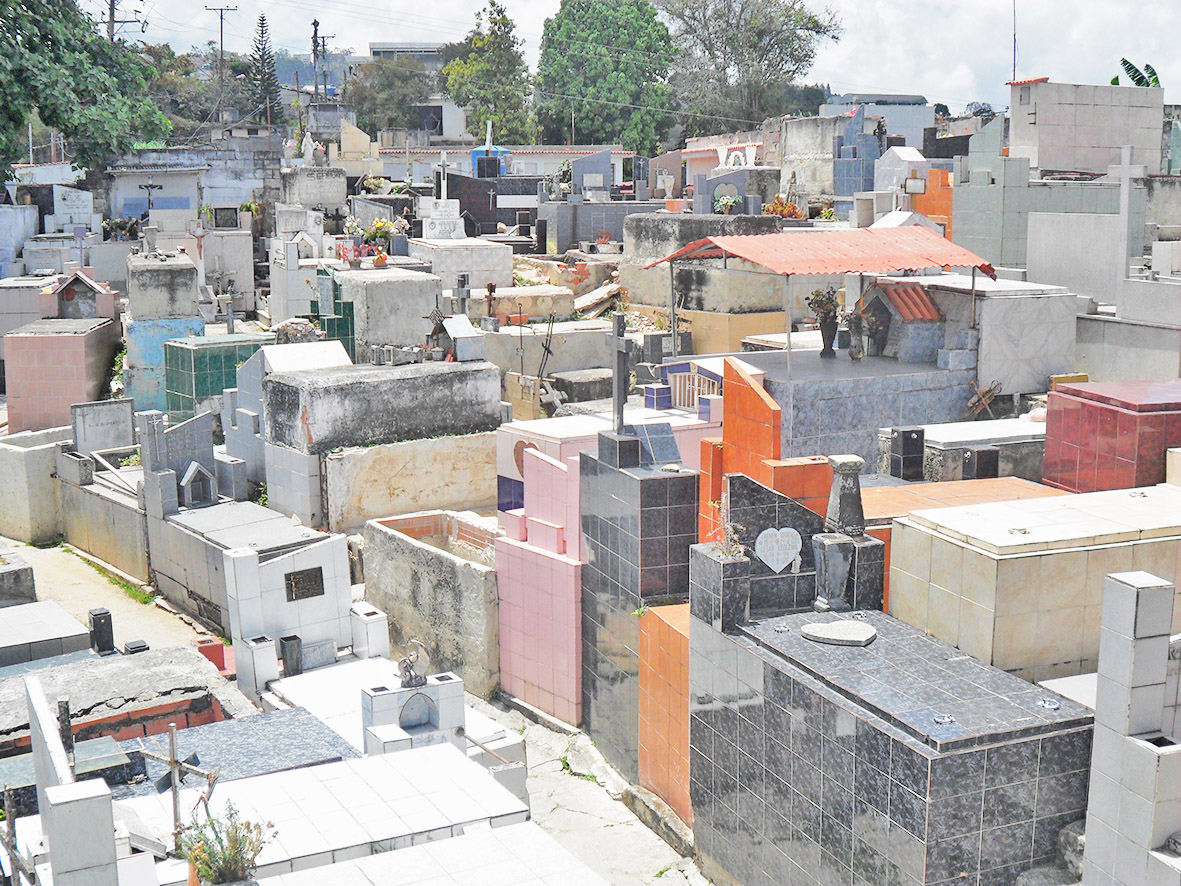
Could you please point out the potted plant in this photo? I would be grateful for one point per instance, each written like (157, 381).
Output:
(724, 203)
(247, 213)
(223, 849)
(350, 254)
(823, 304)
(380, 258)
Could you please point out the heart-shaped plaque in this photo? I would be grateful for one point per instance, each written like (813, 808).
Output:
(779, 548)
(844, 632)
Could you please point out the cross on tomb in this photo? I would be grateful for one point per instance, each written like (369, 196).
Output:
(620, 373)
(443, 165)
(177, 770)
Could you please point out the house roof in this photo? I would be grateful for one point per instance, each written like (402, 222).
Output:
(79, 277)
(911, 301)
(857, 251)
(1027, 82)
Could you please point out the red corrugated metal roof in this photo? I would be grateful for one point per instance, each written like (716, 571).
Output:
(911, 301)
(855, 251)
(1027, 82)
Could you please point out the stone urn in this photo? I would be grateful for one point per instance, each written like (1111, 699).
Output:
(828, 335)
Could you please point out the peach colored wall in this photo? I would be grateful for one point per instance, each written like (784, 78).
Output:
(936, 203)
(664, 706)
(46, 374)
(539, 581)
(751, 444)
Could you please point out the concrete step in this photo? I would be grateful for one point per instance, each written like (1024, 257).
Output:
(967, 339)
(956, 359)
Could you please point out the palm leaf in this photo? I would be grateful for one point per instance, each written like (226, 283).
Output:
(1134, 73)
(1153, 80)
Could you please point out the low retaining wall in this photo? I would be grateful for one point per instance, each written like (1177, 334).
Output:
(455, 473)
(104, 525)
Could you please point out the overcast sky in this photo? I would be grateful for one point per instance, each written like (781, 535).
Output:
(953, 51)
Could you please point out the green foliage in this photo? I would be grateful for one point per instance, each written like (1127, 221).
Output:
(385, 91)
(739, 58)
(53, 61)
(263, 78)
(823, 303)
(185, 86)
(607, 61)
(1146, 77)
(224, 849)
(493, 79)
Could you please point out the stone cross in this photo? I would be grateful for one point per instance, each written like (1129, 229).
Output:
(620, 372)
(443, 176)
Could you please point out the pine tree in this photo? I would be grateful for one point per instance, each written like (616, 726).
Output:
(263, 78)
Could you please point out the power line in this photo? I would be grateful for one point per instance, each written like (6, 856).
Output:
(221, 54)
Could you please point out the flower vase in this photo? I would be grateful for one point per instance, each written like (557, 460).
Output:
(828, 335)
(354, 263)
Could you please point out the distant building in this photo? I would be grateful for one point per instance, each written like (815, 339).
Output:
(439, 117)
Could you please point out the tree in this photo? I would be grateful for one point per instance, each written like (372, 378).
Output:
(185, 88)
(493, 79)
(385, 92)
(53, 61)
(605, 63)
(1147, 77)
(736, 55)
(263, 78)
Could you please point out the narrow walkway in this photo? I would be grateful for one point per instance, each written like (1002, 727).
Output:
(78, 587)
(579, 813)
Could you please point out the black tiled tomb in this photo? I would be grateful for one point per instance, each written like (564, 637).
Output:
(638, 522)
(814, 764)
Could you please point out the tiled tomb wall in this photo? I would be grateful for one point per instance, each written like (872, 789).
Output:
(1031, 606)
(637, 523)
(825, 773)
(664, 706)
(539, 580)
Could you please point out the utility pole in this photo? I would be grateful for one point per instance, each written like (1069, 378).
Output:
(315, 58)
(221, 52)
(324, 55)
(111, 21)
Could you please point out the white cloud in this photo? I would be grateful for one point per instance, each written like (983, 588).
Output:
(954, 51)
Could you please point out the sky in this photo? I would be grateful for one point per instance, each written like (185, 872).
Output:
(951, 51)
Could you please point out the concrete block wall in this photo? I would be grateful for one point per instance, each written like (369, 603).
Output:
(293, 481)
(107, 525)
(1135, 790)
(391, 307)
(32, 510)
(453, 473)
(1111, 349)
(20, 305)
(447, 602)
(484, 262)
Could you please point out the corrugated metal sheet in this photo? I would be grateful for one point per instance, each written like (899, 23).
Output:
(911, 301)
(856, 251)
(1027, 82)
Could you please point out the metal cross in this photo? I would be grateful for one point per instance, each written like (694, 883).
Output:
(620, 371)
(177, 770)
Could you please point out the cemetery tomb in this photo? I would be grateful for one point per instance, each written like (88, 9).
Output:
(32, 631)
(1111, 435)
(481, 261)
(517, 853)
(539, 582)
(52, 364)
(432, 573)
(1019, 584)
(20, 303)
(638, 521)
(197, 369)
(902, 760)
(1007, 447)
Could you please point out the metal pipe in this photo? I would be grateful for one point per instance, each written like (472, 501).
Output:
(973, 298)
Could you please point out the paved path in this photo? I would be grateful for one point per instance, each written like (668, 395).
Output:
(582, 816)
(72, 582)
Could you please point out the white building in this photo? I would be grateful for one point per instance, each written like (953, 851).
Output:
(905, 115)
(440, 117)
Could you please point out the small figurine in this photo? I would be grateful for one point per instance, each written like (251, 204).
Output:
(856, 343)
(410, 677)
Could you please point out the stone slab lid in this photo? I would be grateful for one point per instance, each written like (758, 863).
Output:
(1138, 396)
(1059, 523)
